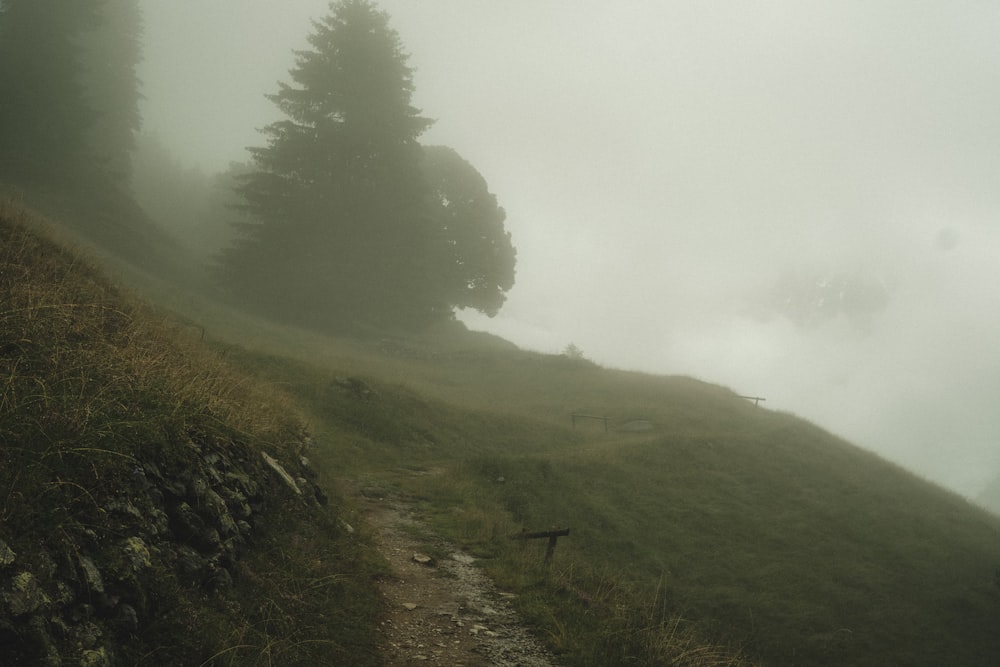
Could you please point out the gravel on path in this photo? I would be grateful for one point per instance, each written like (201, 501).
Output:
(442, 612)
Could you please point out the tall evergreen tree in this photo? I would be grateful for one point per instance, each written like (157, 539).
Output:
(44, 115)
(346, 225)
(69, 94)
(111, 52)
(337, 195)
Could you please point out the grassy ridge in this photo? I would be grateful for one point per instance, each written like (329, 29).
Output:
(729, 524)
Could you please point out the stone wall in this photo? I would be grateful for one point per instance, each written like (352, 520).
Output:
(76, 596)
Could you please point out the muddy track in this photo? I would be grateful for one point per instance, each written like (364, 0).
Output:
(443, 612)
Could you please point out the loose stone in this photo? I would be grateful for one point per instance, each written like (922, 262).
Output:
(7, 555)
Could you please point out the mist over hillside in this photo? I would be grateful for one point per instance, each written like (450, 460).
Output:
(594, 281)
(667, 168)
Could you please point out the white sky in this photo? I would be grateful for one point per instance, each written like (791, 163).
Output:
(663, 163)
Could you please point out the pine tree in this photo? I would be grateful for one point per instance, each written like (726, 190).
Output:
(111, 52)
(351, 223)
(44, 115)
(69, 94)
(337, 197)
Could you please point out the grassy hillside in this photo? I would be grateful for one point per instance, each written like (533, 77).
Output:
(139, 521)
(759, 530)
(726, 534)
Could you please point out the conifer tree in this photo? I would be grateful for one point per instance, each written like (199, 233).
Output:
(337, 195)
(69, 94)
(345, 227)
(111, 52)
(44, 115)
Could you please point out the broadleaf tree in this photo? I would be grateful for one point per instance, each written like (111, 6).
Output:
(479, 257)
(343, 226)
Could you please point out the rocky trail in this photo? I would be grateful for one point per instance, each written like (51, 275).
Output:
(441, 611)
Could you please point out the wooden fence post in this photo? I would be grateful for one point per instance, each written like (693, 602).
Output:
(552, 535)
(755, 399)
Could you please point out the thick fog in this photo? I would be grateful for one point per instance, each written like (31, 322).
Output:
(798, 200)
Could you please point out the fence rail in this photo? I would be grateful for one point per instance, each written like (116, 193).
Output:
(553, 535)
(576, 416)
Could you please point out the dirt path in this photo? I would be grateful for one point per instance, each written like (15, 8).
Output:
(444, 612)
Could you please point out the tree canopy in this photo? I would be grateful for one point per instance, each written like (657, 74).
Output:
(351, 220)
(479, 260)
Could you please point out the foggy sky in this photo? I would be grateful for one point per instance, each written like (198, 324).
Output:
(664, 164)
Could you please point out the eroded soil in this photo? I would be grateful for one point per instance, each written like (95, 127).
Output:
(445, 612)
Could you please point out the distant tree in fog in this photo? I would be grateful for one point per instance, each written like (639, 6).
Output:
(69, 95)
(351, 221)
(111, 52)
(44, 114)
(479, 257)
